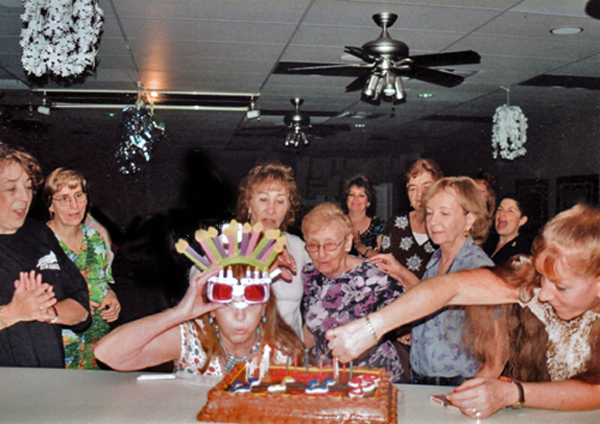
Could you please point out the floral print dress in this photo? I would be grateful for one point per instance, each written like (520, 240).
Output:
(93, 263)
(330, 302)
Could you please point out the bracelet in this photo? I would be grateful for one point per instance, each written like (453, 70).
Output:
(521, 401)
(371, 329)
(3, 322)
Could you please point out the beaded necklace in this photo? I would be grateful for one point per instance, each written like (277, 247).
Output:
(231, 359)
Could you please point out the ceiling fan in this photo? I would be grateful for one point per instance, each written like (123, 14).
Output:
(297, 127)
(386, 61)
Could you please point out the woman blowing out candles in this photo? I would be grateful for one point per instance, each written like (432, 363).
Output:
(223, 319)
(559, 284)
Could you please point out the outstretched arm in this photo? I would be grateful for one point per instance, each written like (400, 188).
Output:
(154, 339)
(473, 287)
(482, 397)
(389, 264)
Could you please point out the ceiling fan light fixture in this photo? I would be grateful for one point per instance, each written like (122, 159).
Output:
(371, 86)
(400, 93)
(389, 89)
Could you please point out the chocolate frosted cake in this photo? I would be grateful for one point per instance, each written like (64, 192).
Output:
(290, 395)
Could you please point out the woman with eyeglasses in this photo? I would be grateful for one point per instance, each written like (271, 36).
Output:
(66, 194)
(217, 324)
(340, 288)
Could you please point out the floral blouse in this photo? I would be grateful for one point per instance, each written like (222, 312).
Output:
(331, 302)
(398, 239)
(93, 263)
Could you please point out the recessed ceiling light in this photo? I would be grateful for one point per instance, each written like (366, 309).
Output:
(566, 30)
(425, 95)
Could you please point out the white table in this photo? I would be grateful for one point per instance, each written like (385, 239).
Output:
(30, 395)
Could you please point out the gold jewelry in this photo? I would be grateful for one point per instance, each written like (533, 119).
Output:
(3, 322)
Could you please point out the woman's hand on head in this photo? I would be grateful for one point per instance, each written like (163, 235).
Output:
(32, 300)
(482, 397)
(193, 305)
(110, 308)
(349, 341)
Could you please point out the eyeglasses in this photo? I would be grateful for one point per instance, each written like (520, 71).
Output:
(80, 198)
(330, 246)
(223, 289)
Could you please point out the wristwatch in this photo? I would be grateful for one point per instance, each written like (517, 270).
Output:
(521, 401)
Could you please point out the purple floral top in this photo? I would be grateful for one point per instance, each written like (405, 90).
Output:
(331, 302)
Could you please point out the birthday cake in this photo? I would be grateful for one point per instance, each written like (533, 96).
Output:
(292, 395)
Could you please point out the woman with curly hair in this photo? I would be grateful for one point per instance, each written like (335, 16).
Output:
(269, 195)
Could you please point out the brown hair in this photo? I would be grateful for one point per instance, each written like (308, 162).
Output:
(363, 182)
(63, 177)
(572, 236)
(469, 197)
(275, 331)
(30, 164)
(270, 173)
(490, 183)
(325, 214)
(424, 165)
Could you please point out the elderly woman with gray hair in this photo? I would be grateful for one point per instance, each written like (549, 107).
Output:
(340, 288)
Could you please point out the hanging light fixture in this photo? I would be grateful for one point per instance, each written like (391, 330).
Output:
(60, 36)
(509, 132)
(387, 84)
(142, 128)
(295, 137)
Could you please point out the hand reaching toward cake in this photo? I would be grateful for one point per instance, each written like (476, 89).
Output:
(349, 341)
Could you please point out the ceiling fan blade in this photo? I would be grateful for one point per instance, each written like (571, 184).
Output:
(434, 76)
(360, 53)
(358, 83)
(464, 57)
(334, 69)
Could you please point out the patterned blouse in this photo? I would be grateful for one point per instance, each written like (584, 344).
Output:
(193, 357)
(93, 263)
(333, 301)
(398, 239)
(369, 237)
(568, 348)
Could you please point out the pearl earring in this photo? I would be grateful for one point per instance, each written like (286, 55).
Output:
(211, 320)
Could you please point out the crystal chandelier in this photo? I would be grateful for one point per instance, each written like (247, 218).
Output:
(60, 36)
(509, 132)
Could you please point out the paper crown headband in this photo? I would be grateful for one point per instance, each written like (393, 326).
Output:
(245, 246)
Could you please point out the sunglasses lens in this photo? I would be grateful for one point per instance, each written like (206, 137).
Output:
(255, 293)
(222, 292)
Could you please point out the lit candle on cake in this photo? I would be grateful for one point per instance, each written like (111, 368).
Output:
(184, 248)
(264, 362)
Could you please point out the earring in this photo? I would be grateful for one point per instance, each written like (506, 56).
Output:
(264, 319)
(211, 320)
